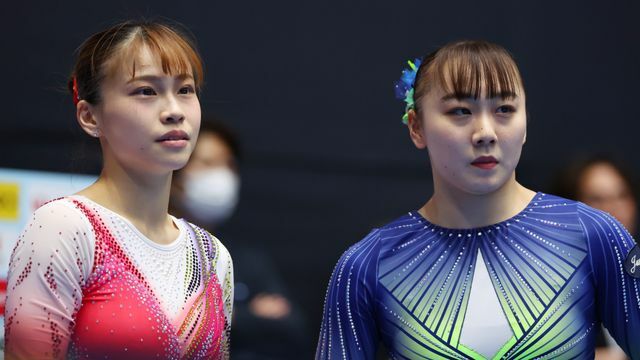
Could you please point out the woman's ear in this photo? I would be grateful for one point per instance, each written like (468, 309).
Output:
(85, 114)
(414, 124)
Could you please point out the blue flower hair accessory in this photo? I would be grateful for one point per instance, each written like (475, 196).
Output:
(404, 87)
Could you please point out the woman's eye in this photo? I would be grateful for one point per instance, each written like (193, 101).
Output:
(146, 91)
(459, 111)
(187, 90)
(505, 109)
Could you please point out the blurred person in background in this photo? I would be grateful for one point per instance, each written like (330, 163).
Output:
(267, 323)
(605, 183)
(108, 273)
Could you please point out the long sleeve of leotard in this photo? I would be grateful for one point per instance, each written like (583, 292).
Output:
(617, 292)
(348, 328)
(224, 267)
(49, 265)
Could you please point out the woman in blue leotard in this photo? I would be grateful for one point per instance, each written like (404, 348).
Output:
(486, 269)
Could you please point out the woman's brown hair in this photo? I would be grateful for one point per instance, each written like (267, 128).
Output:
(469, 69)
(112, 49)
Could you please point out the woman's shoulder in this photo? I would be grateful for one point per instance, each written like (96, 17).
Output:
(598, 221)
(389, 235)
(62, 211)
(596, 226)
(66, 202)
(402, 230)
(219, 252)
(58, 230)
(551, 202)
(585, 214)
(407, 223)
(549, 210)
(218, 256)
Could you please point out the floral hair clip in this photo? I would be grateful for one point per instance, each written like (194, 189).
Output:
(404, 87)
(76, 98)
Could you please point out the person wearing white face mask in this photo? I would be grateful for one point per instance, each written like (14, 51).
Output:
(206, 189)
(268, 324)
(211, 195)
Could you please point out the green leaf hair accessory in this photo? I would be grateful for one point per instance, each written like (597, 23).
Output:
(404, 87)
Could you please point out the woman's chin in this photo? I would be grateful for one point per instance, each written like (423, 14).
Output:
(483, 187)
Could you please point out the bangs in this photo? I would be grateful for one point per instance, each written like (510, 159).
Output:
(475, 69)
(177, 57)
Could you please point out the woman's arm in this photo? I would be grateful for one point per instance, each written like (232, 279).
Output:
(225, 269)
(49, 265)
(617, 291)
(349, 329)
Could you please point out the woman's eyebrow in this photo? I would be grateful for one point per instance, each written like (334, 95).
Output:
(149, 78)
(157, 78)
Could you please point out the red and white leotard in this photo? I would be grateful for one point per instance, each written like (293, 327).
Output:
(85, 283)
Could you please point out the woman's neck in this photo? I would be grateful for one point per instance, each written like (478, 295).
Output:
(140, 197)
(452, 208)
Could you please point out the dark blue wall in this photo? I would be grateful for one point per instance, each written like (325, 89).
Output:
(309, 87)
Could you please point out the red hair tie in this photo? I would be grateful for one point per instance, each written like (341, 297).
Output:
(76, 98)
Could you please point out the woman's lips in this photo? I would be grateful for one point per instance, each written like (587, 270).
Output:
(174, 143)
(485, 162)
(174, 139)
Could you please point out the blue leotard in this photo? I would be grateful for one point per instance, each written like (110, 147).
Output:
(554, 272)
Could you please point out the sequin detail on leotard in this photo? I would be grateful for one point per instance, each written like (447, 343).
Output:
(118, 314)
(556, 269)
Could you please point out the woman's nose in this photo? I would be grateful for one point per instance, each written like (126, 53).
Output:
(484, 132)
(173, 112)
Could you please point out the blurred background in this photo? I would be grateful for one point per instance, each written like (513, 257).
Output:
(308, 88)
